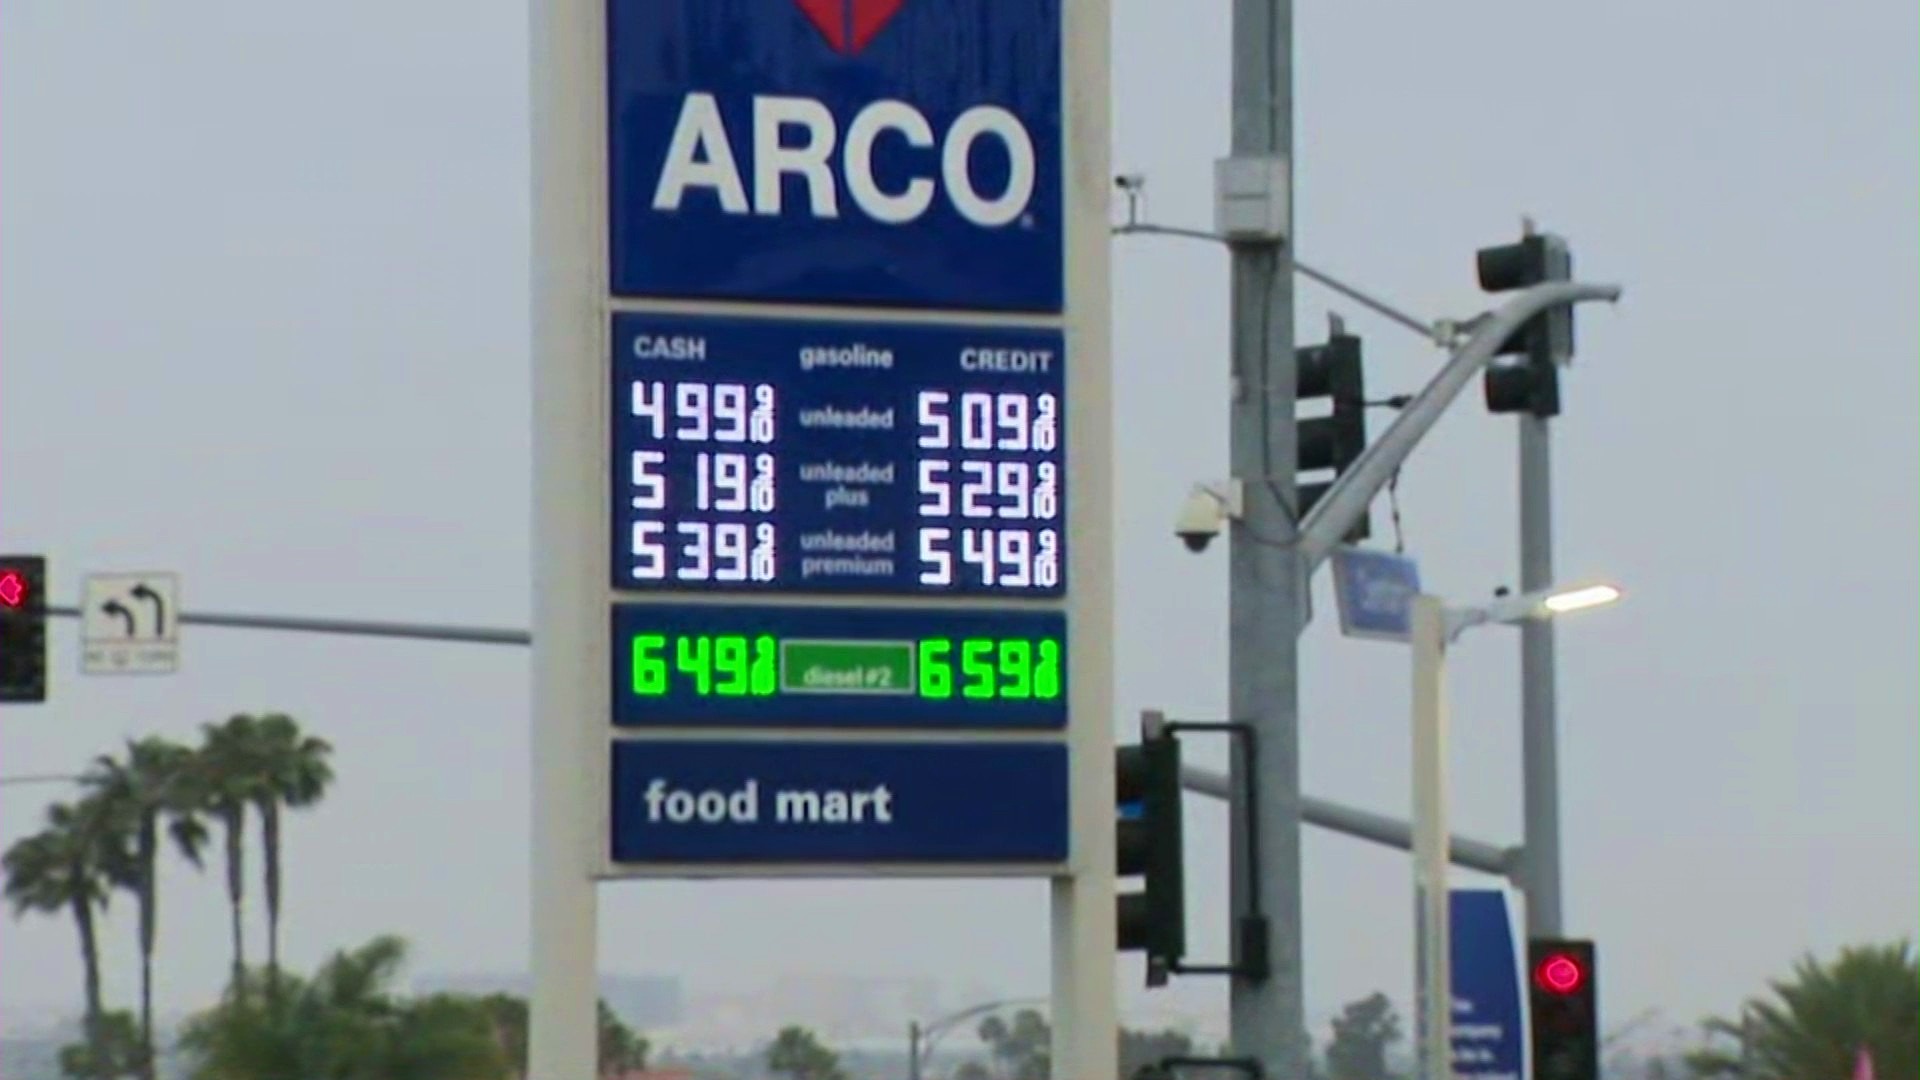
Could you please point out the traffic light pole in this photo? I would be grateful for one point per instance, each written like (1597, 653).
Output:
(1267, 1016)
(1539, 750)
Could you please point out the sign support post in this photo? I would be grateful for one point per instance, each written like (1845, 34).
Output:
(568, 583)
(1085, 928)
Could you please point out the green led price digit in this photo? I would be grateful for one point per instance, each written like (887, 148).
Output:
(694, 656)
(936, 671)
(649, 666)
(1046, 671)
(975, 666)
(1016, 669)
(766, 670)
(730, 659)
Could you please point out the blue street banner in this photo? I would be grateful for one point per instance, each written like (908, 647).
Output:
(1375, 590)
(1489, 1018)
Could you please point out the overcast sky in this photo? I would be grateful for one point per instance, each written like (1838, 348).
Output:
(263, 289)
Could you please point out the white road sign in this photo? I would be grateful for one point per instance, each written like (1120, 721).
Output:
(130, 624)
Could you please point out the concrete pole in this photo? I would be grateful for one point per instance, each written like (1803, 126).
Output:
(1268, 1017)
(1432, 930)
(1082, 903)
(569, 537)
(1539, 750)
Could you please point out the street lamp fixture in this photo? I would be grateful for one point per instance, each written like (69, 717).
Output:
(1434, 626)
(1577, 599)
(1540, 604)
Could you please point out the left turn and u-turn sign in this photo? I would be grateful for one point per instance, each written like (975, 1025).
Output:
(130, 624)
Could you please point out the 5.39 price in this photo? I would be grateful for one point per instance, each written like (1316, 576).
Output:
(1010, 669)
(724, 551)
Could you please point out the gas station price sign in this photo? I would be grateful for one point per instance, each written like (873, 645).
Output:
(749, 666)
(790, 456)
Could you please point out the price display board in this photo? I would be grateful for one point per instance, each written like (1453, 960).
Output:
(705, 665)
(787, 456)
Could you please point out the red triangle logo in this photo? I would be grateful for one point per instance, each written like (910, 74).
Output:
(849, 25)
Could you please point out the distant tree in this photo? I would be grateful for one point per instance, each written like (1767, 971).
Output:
(798, 1054)
(1145, 1049)
(621, 1051)
(507, 1015)
(972, 1070)
(1362, 1035)
(1815, 1022)
(117, 1050)
(1023, 1049)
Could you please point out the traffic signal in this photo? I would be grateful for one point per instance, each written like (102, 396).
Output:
(1331, 442)
(1531, 384)
(1147, 789)
(1565, 1015)
(23, 628)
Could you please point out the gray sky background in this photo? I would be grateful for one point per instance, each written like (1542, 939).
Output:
(262, 279)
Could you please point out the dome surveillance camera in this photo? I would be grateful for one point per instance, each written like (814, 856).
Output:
(1204, 515)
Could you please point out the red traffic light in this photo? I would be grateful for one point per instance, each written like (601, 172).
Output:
(1560, 973)
(13, 588)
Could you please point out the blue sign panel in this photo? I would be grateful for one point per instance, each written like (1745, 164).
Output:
(858, 152)
(839, 802)
(1489, 1026)
(1375, 590)
(705, 665)
(785, 456)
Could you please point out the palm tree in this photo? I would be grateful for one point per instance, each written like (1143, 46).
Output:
(155, 781)
(229, 780)
(294, 773)
(346, 1022)
(70, 866)
(1823, 1016)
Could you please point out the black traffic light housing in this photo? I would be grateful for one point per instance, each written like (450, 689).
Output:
(1332, 442)
(1150, 846)
(1564, 1014)
(1531, 385)
(23, 629)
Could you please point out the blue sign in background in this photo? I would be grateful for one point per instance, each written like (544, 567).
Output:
(846, 494)
(1375, 590)
(940, 57)
(1489, 1026)
(683, 705)
(974, 802)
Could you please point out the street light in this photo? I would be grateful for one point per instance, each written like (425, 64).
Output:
(1434, 627)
